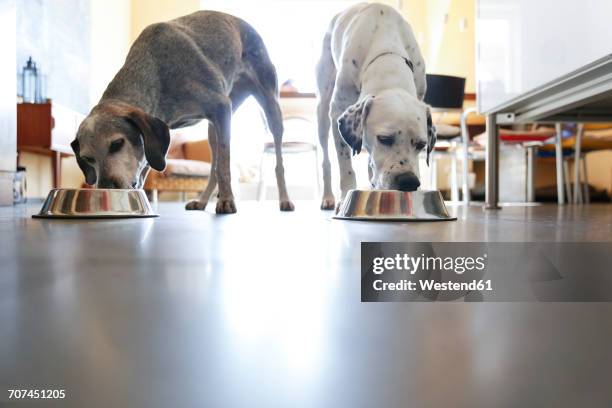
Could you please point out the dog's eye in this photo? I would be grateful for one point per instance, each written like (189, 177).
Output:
(419, 146)
(88, 160)
(386, 140)
(116, 145)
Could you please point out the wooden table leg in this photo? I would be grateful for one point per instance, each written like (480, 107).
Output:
(56, 163)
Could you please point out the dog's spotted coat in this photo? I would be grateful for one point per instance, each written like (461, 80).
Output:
(371, 84)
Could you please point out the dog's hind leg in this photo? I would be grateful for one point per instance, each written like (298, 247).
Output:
(269, 102)
(221, 119)
(265, 90)
(326, 78)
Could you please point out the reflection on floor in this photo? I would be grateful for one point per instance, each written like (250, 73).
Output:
(262, 308)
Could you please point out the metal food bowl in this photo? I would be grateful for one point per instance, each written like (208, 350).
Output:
(96, 203)
(393, 205)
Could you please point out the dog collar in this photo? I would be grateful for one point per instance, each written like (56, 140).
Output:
(406, 60)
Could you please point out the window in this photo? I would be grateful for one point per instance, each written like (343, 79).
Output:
(292, 30)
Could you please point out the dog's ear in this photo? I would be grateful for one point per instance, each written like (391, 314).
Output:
(431, 134)
(88, 171)
(351, 123)
(154, 131)
(155, 135)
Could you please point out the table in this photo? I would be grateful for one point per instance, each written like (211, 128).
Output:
(583, 95)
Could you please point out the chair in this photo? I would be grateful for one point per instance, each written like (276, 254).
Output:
(187, 169)
(298, 132)
(587, 138)
(542, 141)
(531, 140)
(446, 94)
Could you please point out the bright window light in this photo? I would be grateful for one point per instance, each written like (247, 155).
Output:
(292, 30)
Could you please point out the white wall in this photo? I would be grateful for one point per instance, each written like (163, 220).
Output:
(110, 42)
(524, 44)
(8, 113)
(145, 12)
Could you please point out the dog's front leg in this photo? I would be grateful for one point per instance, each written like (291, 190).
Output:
(345, 162)
(201, 202)
(222, 119)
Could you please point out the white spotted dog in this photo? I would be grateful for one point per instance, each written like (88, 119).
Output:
(371, 84)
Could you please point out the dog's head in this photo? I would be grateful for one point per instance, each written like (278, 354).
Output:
(394, 127)
(117, 143)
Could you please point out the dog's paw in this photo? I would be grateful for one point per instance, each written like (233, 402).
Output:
(195, 205)
(286, 206)
(328, 203)
(226, 206)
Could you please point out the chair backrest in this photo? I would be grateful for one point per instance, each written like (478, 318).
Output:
(445, 91)
(298, 129)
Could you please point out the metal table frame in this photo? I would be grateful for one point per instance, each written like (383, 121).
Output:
(576, 97)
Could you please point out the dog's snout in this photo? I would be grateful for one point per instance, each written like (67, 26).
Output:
(407, 182)
(108, 183)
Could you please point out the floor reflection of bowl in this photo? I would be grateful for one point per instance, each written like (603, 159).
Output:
(96, 203)
(393, 205)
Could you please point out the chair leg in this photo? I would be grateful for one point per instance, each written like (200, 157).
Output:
(183, 196)
(465, 142)
(559, 165)
(531, 153)
(568, 188)
(585, 184)
(155, 195)
(433, 171)
(577, 148)
(454, 181)
(465, 186)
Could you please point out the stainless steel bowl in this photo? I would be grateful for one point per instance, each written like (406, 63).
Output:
(96, 203)
(393, 205)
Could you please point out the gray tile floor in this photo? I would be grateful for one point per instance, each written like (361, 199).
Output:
(263, 308)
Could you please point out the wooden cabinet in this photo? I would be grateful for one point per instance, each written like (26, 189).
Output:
(47, 129)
